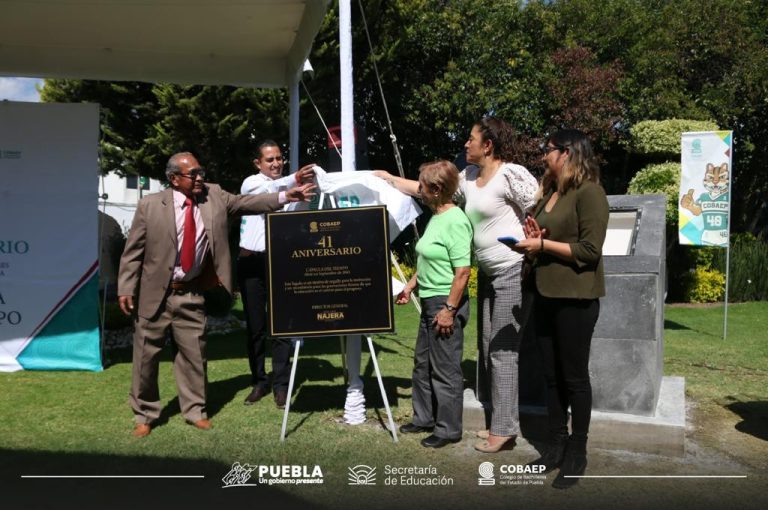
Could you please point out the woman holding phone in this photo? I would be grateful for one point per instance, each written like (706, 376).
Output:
(564, 238)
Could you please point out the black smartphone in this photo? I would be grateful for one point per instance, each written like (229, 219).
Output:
(508, 240)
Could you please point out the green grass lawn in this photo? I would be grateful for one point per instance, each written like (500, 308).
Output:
(717, 370)
(80, 422)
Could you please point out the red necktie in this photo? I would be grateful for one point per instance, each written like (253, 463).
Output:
(190, 234)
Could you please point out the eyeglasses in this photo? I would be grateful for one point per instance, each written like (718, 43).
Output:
(273, 158)
(546, 149)
(194, 174)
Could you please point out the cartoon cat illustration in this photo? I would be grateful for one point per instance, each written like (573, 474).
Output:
(712, 205)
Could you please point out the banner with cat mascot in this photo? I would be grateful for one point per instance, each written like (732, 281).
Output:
(705, 188)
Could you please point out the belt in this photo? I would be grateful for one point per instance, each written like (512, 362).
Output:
(178, 287)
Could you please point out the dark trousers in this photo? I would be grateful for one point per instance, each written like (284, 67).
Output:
(438, 384)
(251, 277)
(564, 328)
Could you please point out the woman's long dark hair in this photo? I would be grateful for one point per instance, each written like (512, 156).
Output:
(580, 164)
(503, 137)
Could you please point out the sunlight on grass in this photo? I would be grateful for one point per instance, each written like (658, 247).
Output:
(80, 422)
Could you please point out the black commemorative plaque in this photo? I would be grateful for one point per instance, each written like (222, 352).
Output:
(329, 272)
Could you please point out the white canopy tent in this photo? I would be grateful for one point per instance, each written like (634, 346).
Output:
(253, 43)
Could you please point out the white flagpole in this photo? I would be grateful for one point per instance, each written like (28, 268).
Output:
(348, 163)
(293, 95)
(354, 408)
(728, 245)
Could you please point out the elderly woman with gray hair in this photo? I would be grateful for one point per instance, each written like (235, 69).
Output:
(442, 273)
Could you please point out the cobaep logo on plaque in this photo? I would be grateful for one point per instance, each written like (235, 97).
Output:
(329, 272)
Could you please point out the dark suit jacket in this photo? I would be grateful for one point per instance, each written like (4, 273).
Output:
(150, 251)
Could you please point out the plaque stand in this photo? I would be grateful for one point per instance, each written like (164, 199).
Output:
(378, 376)
(345, 351)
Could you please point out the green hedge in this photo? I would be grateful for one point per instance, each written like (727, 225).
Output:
(663, 178)
(662, 137)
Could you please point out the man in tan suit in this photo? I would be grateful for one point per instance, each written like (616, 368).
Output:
(167, 276)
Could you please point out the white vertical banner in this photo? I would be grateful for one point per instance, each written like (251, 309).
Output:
(705, 188)
(48, 236)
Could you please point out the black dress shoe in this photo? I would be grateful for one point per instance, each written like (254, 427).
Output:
(410, 428)
(553, 454)
(574, 465)
(437, 442)
(280, 397)
(257, 394)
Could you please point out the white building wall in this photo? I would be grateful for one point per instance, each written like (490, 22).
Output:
(120, 201)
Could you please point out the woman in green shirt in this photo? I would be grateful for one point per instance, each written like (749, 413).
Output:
(564, 237)
(442, 273)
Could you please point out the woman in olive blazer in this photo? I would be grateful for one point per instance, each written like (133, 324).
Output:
(564, 239)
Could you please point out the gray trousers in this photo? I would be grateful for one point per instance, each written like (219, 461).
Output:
(185, 315)
(438, 384)
(503, 312)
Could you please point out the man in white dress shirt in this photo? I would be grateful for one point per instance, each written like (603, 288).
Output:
(251, 276)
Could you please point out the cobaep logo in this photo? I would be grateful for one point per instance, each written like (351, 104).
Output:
(324, 226)
(486, 474)
(362, 475)
(696, 146)
(241, 474)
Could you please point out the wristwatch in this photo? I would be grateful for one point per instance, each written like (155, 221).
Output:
(450, 308)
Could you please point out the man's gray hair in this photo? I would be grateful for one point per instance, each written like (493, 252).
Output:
(172, 167)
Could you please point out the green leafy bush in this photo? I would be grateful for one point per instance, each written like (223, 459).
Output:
(663, 178)
(704, 285)
(662, 137)
(748, 279)
(407, 270)
(472, 284)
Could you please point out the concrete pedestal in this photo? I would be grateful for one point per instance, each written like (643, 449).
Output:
(663, 433)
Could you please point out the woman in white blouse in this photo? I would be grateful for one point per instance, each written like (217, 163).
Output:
(496, 194)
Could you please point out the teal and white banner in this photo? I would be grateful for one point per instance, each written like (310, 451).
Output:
(48, 237)
(705, 188)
